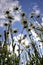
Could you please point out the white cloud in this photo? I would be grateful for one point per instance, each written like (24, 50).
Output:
(1, 24)
(42, 19)
(4, 4)
(37, 12)
(34, 8)
(17, 18)
(2, 16)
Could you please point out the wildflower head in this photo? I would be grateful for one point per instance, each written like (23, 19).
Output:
(10, 17)
(7, 12)
(38, 16)
(25, 23)
(31, 15)
(16, 8)
(0, 35)
(6, 24)
(23, 14)
(15, 30)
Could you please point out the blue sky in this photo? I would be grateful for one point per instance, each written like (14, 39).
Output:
(31, 5)
(27, 5)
